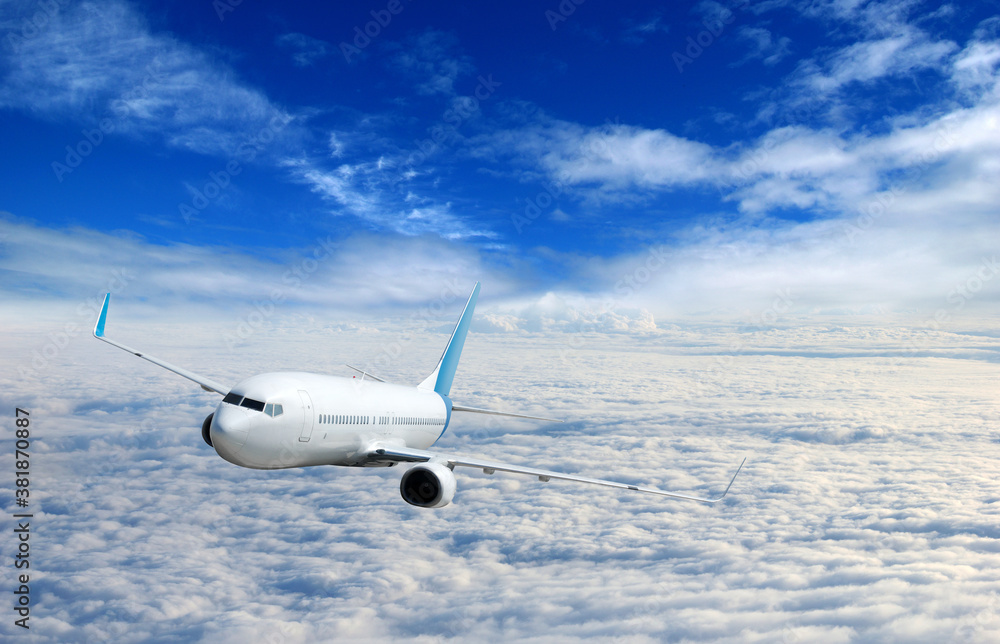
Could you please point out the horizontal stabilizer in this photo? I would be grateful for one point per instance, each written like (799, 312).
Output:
(364, 373)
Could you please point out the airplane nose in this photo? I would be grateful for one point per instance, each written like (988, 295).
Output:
(229, 431)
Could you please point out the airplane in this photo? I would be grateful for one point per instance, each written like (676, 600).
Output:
(297, 419)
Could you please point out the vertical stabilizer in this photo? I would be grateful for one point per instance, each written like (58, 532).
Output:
(440, 380)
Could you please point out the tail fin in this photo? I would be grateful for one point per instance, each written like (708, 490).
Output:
(440, 380)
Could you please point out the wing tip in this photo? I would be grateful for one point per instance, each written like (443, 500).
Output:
(102, 320)
(731, 481)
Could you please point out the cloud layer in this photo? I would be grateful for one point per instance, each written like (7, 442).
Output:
(866, 511)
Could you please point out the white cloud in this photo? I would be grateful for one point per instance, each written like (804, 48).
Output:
(95, 61)
(868, 495)
(763, 45)
(306, 50)
(975, 67)
(615, 157)
(433, 60)
(64, 283)
(866, 61)
(637, 32)
(365, 191)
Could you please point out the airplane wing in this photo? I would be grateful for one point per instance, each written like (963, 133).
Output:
(501, 413)
(206, 383)
(390, 454)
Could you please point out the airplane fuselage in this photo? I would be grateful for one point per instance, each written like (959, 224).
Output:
(296, 419)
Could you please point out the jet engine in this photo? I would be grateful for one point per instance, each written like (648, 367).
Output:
(428, 485)
(206, 426)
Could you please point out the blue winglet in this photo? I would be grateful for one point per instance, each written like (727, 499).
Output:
(99, 328)
(440, 380)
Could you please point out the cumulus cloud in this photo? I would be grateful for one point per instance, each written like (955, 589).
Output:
(867, 496)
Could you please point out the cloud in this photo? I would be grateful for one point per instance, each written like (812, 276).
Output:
(866, 61)
(615, 157)
(637, 32)
(95, 61)
(433, 60)
(334, 272)
(975, 67)
(365, 190)
(763, 45)
(306, 50)
(825, 537)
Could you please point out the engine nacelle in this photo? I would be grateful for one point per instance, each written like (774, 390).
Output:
(428, 485)
(206, 427)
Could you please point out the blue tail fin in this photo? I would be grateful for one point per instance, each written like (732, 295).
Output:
(441, 378)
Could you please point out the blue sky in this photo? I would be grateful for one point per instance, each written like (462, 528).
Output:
(541, 148)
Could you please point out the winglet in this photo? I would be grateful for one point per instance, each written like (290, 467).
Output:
(733, 480)
(441, 378)
(99, 327)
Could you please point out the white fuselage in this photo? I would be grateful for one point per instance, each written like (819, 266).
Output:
(323, 420)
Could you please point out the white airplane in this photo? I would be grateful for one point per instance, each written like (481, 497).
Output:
(296, 419)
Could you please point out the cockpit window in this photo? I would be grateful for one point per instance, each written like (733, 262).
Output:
(250, 403)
